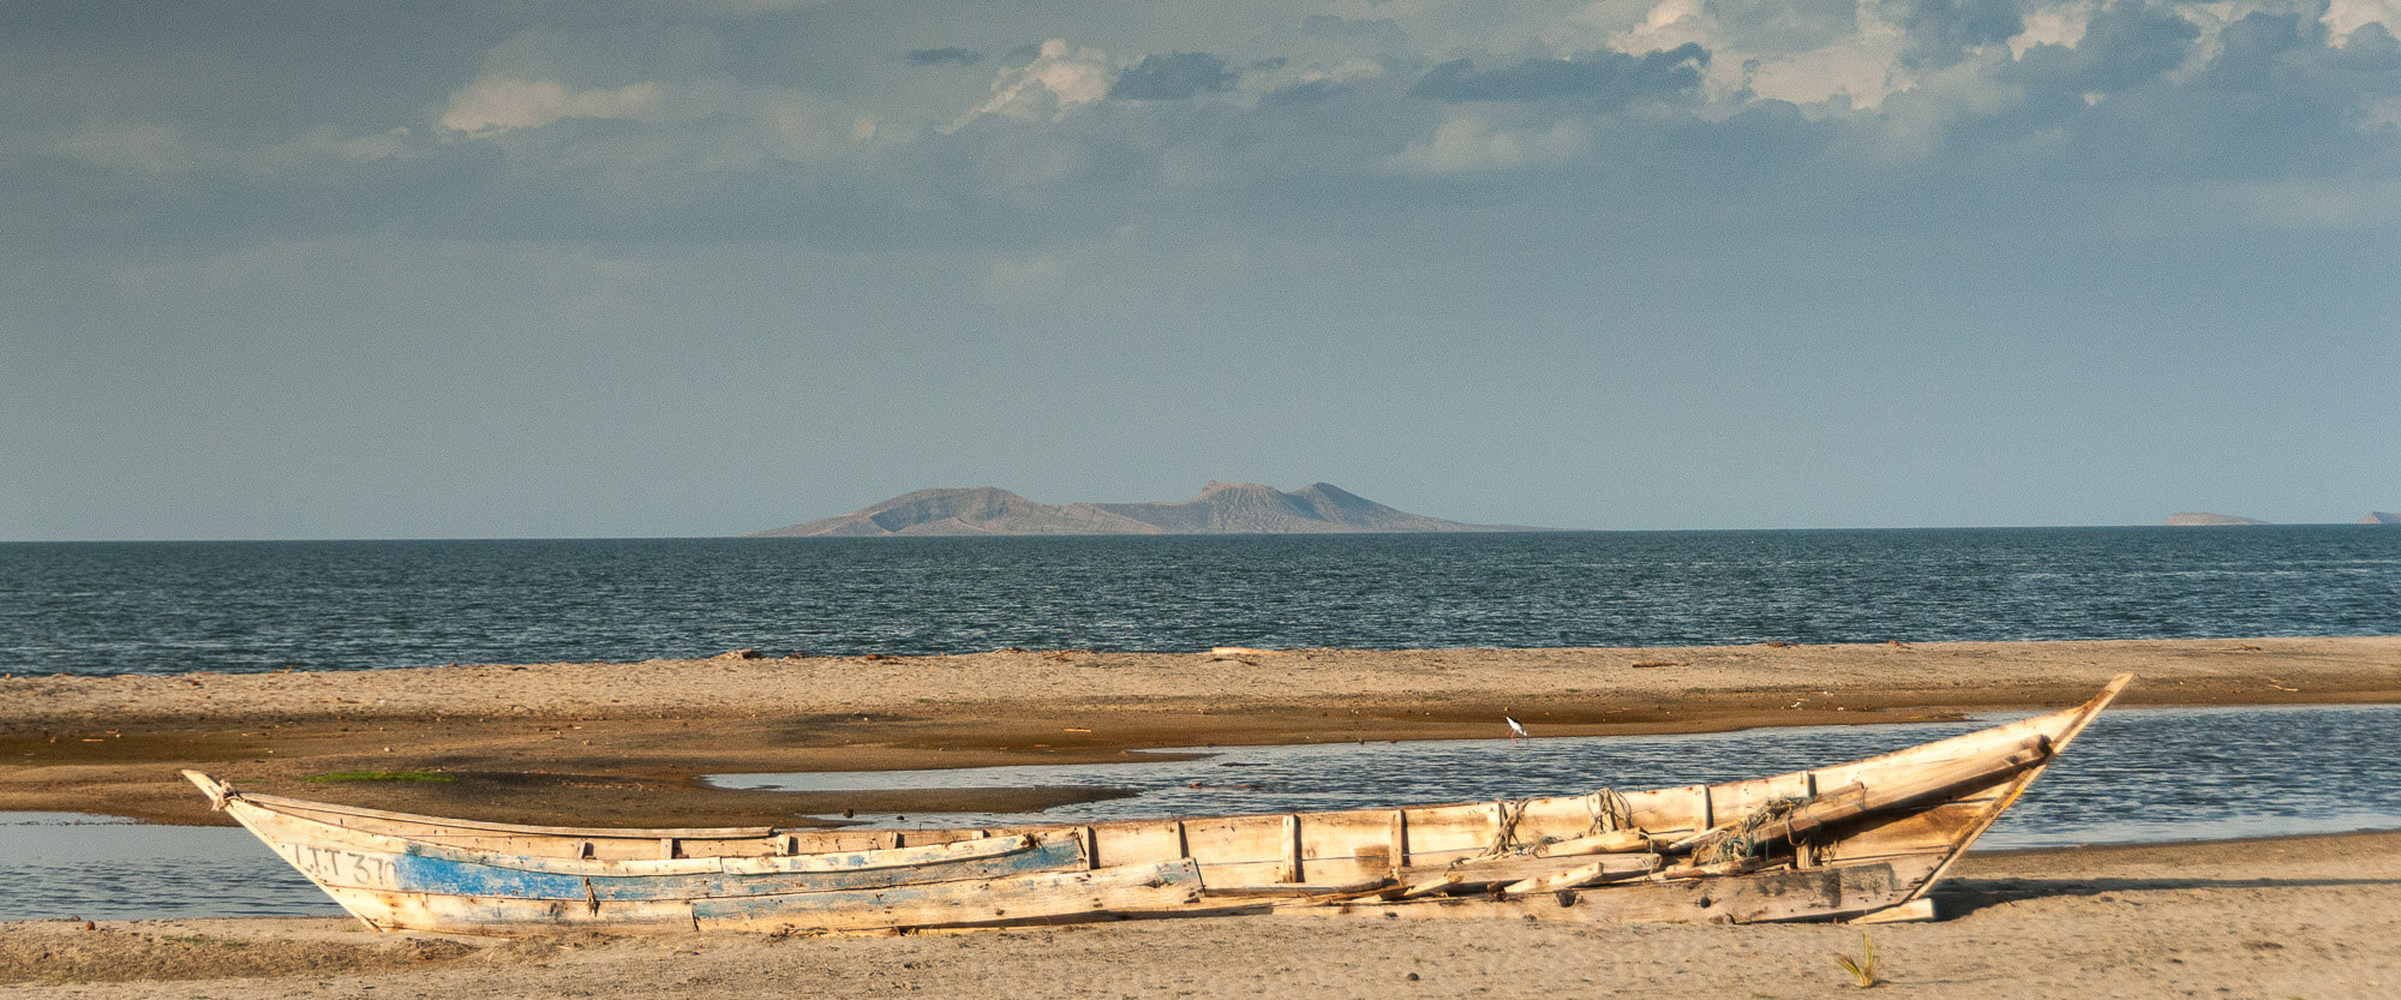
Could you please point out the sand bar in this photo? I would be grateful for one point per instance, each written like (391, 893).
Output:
(621, 742)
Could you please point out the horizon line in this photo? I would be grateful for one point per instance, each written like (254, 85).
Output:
(1518, 530)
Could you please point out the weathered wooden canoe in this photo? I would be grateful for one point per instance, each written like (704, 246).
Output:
(1863, 839)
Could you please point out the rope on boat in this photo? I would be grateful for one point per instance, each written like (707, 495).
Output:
(1741, 841)
(1610, 812)
(1504, 841)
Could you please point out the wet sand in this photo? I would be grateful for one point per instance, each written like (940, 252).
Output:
(606, 743)
(2304, 917)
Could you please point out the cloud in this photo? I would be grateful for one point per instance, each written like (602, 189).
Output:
(1304, 93)
(1608, 78)
(495, 104)
(2343, 17)
(777, 134)
(937, 57)
(1058, 78)
(1173, 77)
(1942, 31)
(1864, 69)
(2063, 26)
(2123, 46)
(1466, 143)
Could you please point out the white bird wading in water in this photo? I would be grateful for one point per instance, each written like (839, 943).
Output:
(1516, 731)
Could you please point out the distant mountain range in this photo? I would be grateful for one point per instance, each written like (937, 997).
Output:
(1220, 509)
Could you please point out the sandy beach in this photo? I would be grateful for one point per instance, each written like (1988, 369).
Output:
(621, 743)
(2303, 917)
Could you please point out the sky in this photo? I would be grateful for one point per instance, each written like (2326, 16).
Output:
(613, 268)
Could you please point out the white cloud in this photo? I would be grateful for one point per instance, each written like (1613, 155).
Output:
(1678, 22)
(1059, 78)
(495, 104)
(2063, 26)
(1802, 56)
(2346, 16)
(1465, 143)
(1664, 27)
(1865, 67)
(2212, 19)
(1341, 73)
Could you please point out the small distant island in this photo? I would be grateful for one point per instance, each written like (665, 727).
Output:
(2201, 519)
(1220, 509)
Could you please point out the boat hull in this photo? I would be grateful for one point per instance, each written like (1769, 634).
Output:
(1851, 840)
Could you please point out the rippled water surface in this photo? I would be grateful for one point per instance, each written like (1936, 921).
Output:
(168, 607)
(2135, 775)
(58, 865)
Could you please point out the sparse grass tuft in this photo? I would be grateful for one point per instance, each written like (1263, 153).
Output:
(1863, 969)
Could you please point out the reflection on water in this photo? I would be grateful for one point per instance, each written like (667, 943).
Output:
(56, 865)
(2136, 775)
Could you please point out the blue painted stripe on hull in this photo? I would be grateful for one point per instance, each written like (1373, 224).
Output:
(418, 873)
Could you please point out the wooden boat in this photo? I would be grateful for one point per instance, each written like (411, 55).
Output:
(1863, 839)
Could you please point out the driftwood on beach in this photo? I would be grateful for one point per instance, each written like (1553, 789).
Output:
(1863, 839)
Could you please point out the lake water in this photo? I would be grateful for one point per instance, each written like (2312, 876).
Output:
(2136, 775)
(171, 607)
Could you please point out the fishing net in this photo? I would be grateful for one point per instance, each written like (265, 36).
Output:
(1742, 841)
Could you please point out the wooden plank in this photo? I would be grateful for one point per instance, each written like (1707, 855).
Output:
(1125, 890)
(276, 828)
(1399, 853)
(1826, 893)
(1425, 880)
(1612, 867)
(1610, 842)
(305, 806)
(1916, 910)
(1285, 890)
(1137, 842)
